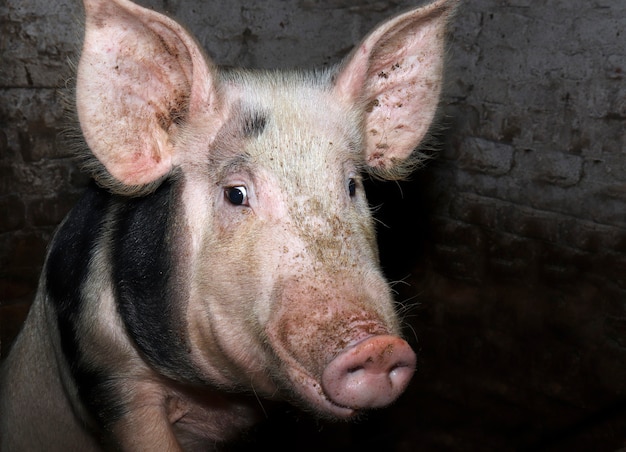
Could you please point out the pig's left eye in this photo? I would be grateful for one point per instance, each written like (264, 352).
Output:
(351, 186)
(237, 196)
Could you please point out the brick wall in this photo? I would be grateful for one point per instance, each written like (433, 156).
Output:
(513, 238)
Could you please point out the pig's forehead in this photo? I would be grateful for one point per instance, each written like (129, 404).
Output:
(294, 110)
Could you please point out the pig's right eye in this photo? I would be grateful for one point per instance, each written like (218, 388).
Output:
(237, 196)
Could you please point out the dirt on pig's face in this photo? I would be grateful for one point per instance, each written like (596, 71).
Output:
(284, 242)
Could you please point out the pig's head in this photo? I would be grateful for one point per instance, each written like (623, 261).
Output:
(275, 265)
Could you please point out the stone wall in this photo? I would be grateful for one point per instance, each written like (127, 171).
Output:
(511, 241)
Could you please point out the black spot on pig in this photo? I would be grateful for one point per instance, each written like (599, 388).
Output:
(150, 304)
(254, 124)
(67, 271)
(68, 263)
(72, 250)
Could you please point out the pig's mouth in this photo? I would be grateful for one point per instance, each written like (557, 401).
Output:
(311, 390)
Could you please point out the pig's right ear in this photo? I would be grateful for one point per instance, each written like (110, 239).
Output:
(141, 76)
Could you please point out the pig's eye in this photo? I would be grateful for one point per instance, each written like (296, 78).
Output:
(237, 196)
(352, 187)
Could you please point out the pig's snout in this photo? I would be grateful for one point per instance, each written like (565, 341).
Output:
(370, 374)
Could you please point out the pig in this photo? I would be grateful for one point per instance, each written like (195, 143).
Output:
(225, 246)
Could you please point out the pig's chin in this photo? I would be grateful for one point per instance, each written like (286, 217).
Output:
(309, 391)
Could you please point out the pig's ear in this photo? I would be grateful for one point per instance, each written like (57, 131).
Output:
(141, 76)
(395, 74)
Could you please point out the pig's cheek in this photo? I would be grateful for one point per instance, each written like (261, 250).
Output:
(228, 348)
(206, 351)
(224, 328)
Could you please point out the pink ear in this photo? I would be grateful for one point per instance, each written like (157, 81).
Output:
(140, 76)
(396, 73)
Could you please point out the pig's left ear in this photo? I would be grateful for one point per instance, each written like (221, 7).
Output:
(395, 74)
(141, 76)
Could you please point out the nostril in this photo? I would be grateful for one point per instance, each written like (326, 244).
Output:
(401, 365)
